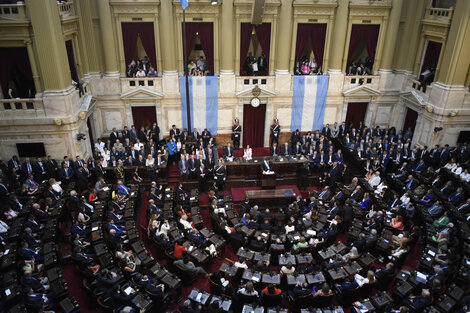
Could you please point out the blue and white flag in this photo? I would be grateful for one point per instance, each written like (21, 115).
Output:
(309, 102)
(184, 4)
(203, 102)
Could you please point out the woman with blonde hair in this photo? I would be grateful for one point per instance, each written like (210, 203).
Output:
(248, 290)
(248, 154)
(370, 279)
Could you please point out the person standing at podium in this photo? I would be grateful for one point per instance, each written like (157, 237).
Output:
(267, 166)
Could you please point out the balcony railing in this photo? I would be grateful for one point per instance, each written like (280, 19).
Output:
(244, 82)
(13, 12)
(150, 83)
(21, 108)
(440, 15)
(366, 80)
(66, 9)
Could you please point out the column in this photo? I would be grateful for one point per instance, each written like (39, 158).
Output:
(87, 36)
(410, 38)
(339, 36)
(456, 51)
(34, 68)
(226, 36)
(50, 45)
(107, 39)
(284, 38)
(391, 36)
(167, 37)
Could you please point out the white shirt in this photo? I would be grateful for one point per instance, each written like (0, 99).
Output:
(404, 200)
(186, 224)
(3, 227)
(374, 181)
(99, 146)
(465, 177)
(149, 162)
(56, 187)
(164, 229)
(457, 170)
(248, 154)
(138, 145)
(140, 74)
(289, 228)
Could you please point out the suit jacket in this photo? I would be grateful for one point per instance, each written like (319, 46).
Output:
(228, 151)
(267, 168)
(180, 166)
(63, 174)
(113, 137)
(285, 150)
(297, 149)
(175, 132)
(274, 150)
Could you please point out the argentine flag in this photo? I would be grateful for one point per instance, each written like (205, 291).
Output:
(203, 102)
(309, 102)
(184, 4)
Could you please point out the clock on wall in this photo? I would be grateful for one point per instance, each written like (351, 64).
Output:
(255, 102)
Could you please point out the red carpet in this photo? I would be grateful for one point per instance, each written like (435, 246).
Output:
(76, 290)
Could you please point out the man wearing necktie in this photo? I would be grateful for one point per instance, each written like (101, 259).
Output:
(267, 165)
(465, 208)
(202, 175)
(66, 173)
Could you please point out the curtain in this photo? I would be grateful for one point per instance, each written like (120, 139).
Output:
(371, 40)
(318, 36)
(303, 32)
(410, 120)
(356, 113)
(130, 32)
(363, 33)
(206, 36)
(253, 125)
(245, 38)
(129, 39)
(432, 55)
(143, 116)
(263, 32)
(71, 58)
(147, 36)
(6, 64)
(18, 58)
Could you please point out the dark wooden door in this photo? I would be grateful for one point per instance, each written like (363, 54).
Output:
(253, 125)
(356, 113)
(144, 116)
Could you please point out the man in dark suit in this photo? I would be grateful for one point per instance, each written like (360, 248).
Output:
(82, 180)
(113, 136)
(39, 170)
(133, 134)
(285, 150)
(193, 165)
(267, 165)
(295, 137)
(209, 164)
(51, 167)
(228, 151)
(325, 194)
(100, 172)
(196, 134)
(202, 176)
(174, 131)
(155, 130)
(274, 150)
(275, 132)
(298, 149)
(126, 134)
(26, 168)
(66, 174)
(343, 130)
(206, 135)
(14, 163)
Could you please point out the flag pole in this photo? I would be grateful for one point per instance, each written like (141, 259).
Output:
(185, 65)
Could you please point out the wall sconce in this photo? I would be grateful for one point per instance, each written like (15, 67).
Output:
(82, 115)
(453, 113)
(58, 121)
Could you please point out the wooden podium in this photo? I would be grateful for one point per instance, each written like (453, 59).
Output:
(268, 181)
